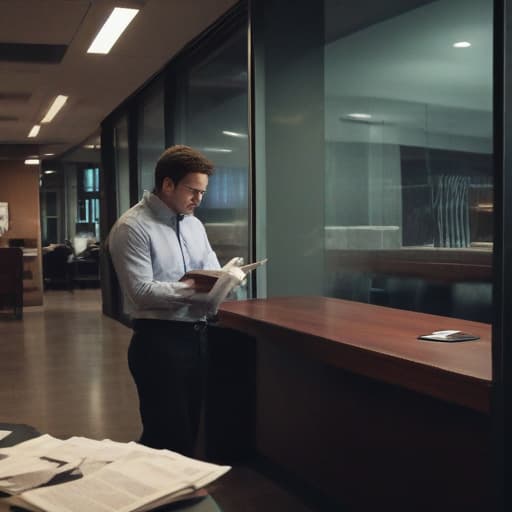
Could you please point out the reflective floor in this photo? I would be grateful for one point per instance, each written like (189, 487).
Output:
(63, 370)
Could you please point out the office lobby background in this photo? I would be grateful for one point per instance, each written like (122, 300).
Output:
(361, 147)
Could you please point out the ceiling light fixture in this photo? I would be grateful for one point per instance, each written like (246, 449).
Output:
(115, 25)
(359, 115)
(48, 154)
(57, 104)
(50, 171)
(32, 161)
(462, 44)
(235, 134)
(34, 131)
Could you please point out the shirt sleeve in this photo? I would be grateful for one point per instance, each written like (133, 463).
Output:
(130, 250)
(211, 262)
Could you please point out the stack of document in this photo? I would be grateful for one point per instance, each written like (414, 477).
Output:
(84, 475)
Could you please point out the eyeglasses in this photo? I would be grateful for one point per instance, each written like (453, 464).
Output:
(194, 191)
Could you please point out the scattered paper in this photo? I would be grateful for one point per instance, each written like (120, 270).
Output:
(4, 434)
(98, 475)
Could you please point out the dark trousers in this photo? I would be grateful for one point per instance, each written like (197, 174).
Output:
(166, 360)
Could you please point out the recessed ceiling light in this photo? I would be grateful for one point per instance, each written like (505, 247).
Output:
(235, 134)
(359, 115)
(462, 44)
(48, 154)
(34, 131)
(50, 171)
(115, 25)
(32, 161)
(57, 104)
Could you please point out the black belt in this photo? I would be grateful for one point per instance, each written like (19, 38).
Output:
(150, 324)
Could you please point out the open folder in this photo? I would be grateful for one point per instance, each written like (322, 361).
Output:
(220, 283)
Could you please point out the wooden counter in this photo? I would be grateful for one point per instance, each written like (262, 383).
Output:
(376, 342)
(350, 404)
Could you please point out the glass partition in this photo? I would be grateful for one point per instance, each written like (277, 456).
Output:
(151, 134)
(122, 165)
(213, 119)
(408, 103)
(403, 89)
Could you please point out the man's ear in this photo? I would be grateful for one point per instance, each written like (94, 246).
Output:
(168, 185)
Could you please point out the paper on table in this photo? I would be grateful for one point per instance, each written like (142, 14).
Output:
(22, 472)
(4, 433)
(134, 483)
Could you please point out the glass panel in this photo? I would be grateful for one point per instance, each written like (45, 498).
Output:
(87, 219)
(151, 135)
(215, 122)
(83, 210)
(409, 157)
(91, 180)
(122, 165)
(377, 161)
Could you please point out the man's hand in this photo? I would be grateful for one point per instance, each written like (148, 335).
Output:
(199, 285)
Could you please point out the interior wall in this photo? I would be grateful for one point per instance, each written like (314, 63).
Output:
(19, 187)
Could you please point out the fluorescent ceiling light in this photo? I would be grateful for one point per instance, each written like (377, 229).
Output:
(115, 25)
(34, 131)
(359, 115)
(235, 134)
(57, 104)
(32, 161)
(50, 171)
(48, 154)
(218, 150)
(462, 44)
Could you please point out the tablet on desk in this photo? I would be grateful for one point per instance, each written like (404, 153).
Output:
(448, 336)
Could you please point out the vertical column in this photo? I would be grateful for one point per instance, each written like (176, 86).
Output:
(289, 50)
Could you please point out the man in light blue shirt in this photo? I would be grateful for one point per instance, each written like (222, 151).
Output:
(152, 245)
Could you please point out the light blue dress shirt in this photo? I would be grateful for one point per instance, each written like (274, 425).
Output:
(149, 262)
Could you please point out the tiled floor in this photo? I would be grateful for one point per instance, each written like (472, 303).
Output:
(63, 370)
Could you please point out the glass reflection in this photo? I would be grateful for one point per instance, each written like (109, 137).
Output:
(408, 127)
(214, 120)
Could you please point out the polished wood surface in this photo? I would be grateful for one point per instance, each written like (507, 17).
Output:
(432, 263)
(376, 342)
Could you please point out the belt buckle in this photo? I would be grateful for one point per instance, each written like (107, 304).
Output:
(199, 326)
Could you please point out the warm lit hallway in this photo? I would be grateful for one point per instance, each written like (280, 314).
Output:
(63, 370)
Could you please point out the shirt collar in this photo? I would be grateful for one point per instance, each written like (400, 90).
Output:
(158, 207)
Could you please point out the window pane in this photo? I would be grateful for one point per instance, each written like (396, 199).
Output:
(408, 132)
(122, 165)
(377, 137)
(151, 135)
(91, 180)
(215, 122)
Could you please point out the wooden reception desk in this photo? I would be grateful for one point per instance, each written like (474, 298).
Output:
(352, 404)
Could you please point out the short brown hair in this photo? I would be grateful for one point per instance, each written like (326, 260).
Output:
(178, 161)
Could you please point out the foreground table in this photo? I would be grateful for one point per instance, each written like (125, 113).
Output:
(22, 433)
(351, 404)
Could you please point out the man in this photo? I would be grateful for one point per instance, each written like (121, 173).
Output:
(152, 245)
